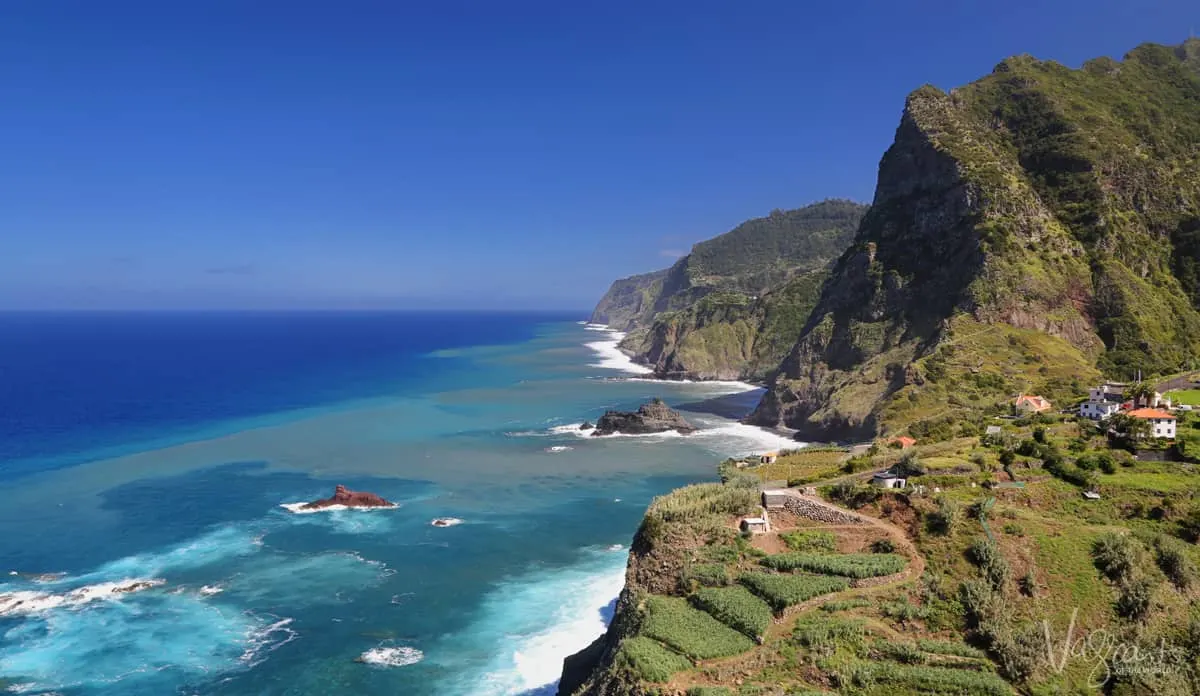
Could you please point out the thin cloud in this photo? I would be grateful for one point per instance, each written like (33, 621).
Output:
(672, 253)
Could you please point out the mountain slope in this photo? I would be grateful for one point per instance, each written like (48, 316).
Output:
(734, 305)
(1054, 212)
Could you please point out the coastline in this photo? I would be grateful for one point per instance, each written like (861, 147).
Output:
(239, 553)
(578, 665)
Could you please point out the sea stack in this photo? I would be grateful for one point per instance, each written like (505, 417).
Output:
(654, 417)
(348, 498)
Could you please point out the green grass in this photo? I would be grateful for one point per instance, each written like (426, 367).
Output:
(709, 691)
(735, 607)
(940, 647)
(1188, 397)
(692, 632)
(783, 591)
(802, 465)
(815, 540)
(939, 680)
(708, 574)
(822, 632)
(851, 565)
(845, 605)
(650, 660)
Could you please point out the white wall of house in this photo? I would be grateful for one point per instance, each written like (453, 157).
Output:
(1162, 427)
(1098, 410)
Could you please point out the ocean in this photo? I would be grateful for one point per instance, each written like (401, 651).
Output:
(162, 448)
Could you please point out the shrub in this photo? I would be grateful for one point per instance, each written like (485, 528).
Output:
(852, 565)
(1019, 652)
(735, 607)
(650, 660)
(1028, 584)
(1133, 597)
(1174, 562)
(1116, 555)
(904, 611)
(709, 691)
(882, 546)
(783, 591)
(810, 540)
(938, 647)
(992, 564)
(827, 633)
(692, 632)
(1014, 529)
(980, 602)
(942, 520)
(909, 466)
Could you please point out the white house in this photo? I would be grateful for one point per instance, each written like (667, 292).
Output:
(1098, 410)
(1103, 401)
(887, 479)
(1162, 424)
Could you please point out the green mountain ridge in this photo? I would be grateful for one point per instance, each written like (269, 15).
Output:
(732, 307)
(1057, 210)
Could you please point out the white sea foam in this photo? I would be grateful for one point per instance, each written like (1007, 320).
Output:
(299, 508)
(542, 618)
(260, 641)
(210, 590)
(737, 439)
(612, 357)
(446, 522)
(723, 385)
(559, 448)
(392, 656)
(24, 602)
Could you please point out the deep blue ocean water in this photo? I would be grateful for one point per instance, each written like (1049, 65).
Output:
(160, 447)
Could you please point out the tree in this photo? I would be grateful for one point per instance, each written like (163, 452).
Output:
(1128, 427)
(1141, 393)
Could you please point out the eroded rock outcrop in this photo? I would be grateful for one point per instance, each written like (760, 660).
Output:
(654, 417)
(348, 498)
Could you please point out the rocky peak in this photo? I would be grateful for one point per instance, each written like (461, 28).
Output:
(652, 417)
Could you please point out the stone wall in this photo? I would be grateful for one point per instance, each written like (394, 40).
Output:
(821, 513)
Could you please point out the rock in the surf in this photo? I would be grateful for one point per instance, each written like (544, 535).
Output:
(348, 498)
(654, 417)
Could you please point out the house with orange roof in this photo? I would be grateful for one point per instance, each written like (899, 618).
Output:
(1031, 403)
(903, 442)
(1162, 423)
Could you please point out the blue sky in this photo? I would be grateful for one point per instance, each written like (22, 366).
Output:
(232, 154)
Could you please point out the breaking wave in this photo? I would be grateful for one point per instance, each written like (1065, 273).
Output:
(391, 656)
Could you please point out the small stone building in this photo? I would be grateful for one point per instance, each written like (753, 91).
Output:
(755, 525)
(773, 498)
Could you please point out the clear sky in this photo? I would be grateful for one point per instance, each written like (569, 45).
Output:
(345, 153)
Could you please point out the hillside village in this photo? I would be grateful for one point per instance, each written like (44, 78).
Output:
(928, 565)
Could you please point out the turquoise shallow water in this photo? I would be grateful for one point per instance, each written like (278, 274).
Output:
(254, 599)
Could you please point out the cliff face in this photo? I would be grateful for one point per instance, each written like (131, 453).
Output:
(1056, 209)
(732, 307)
(629, 300)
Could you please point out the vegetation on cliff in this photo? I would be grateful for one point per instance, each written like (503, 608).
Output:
(734, 306)
(1056, 208)
(965, 582)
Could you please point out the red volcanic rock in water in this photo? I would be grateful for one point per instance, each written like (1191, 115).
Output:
(349, 498)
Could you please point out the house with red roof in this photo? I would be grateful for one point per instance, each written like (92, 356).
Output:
(1030, 403)
(1162, 423)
